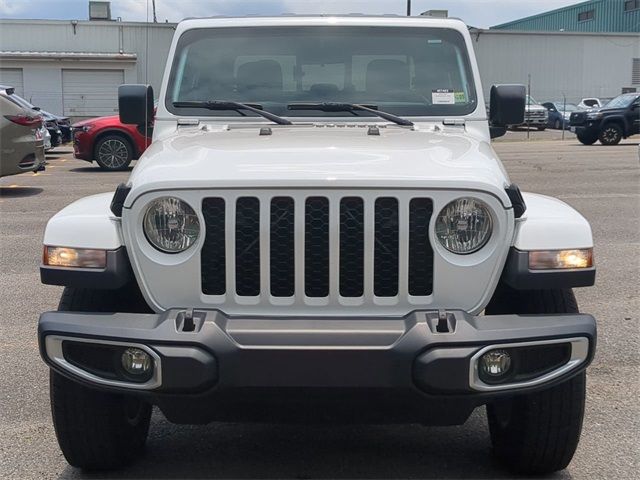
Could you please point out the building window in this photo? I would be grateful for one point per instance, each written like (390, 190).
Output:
(631, 5)
(635, 72)
(585, 16)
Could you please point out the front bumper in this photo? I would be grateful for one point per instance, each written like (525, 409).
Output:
(222, 367)
(82, 145)
(537, 121)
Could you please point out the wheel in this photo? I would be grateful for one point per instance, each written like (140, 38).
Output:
(611, 134)
(97, 430)
(557, 125)
(587, 138)
(542, 129)
(537, 433)
(113, 153)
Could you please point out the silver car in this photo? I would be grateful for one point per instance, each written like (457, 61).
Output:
(21, 137)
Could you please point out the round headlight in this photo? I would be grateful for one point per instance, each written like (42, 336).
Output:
(464, 225)
(171, 225)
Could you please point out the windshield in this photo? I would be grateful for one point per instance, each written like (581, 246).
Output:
(403, 71)
(569, 107)
(623, 101)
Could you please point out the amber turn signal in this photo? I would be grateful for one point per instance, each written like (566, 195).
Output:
(561, 259)
(74, 257)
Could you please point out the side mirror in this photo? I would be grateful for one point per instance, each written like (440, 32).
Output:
(135, 103)
(507, 105)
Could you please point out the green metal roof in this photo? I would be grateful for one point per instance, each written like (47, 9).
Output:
(608, 16)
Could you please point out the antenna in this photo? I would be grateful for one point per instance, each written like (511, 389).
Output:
(155, 18)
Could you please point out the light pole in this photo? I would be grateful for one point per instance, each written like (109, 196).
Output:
(408, 8)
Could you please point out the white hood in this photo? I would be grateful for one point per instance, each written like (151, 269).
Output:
(319, 157)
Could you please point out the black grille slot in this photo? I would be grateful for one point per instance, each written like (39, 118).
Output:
(281, 247)
(385, 256)
(351, 247)
(248, 246)
(212, 256)
(316, 247)
(420, 251)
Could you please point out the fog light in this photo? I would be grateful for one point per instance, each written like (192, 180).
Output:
(136, 361)
(494, 365)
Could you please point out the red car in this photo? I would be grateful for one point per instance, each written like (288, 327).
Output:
(113, 145)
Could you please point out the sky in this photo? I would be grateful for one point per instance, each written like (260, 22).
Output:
(478, 13)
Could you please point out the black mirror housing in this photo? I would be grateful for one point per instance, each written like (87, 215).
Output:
(135, 103)
(507, 105)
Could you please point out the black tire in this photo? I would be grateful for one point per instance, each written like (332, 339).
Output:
(97, 430)
(113, 152)
(542, 129)
(537, 433)
(587, 138)
(611, 134)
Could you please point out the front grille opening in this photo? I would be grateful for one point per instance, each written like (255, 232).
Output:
(420, 250)
(281, 248)
(316, 247)
(385, 257)
(248, 246)
(212, 256)
(351, 247)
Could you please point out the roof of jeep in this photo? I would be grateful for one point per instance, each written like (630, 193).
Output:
(324, 19)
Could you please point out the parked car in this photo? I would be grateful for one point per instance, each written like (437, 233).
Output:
(535, 115)
(618, 119)
(53, 136)
(64, 125)
(112, 144)
(21, 143)
(265, 262)
(52, 127)
(559, 114)
(589, 103)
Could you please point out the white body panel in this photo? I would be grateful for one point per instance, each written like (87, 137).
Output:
(86, 223)
(551, 224)
(463, 282)
(328, 157)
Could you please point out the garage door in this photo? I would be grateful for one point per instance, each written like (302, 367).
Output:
(90, 93)
(12, 77)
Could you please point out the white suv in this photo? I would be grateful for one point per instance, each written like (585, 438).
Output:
(320, 230)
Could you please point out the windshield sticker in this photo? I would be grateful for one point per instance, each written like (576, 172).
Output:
(460, 97)
(443, 96)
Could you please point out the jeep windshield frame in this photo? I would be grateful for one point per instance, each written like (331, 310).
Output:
(405, 71)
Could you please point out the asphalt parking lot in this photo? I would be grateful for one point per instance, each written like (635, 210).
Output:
(603, 183)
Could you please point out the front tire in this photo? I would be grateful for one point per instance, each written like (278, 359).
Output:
(113, 153)
(611, 134)
(537, 433)
(97, 430)
(587, 138)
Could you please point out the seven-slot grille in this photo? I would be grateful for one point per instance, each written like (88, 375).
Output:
(317, 247)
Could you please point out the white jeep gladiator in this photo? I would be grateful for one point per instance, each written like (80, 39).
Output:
(320, 231)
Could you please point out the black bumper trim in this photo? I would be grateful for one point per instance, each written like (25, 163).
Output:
(517, 275)
(117, 273)
(361, 370)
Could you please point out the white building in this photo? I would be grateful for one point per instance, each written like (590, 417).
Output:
(74, 67)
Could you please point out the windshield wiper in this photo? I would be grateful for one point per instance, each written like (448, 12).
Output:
(350, 107)
(237, 106)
